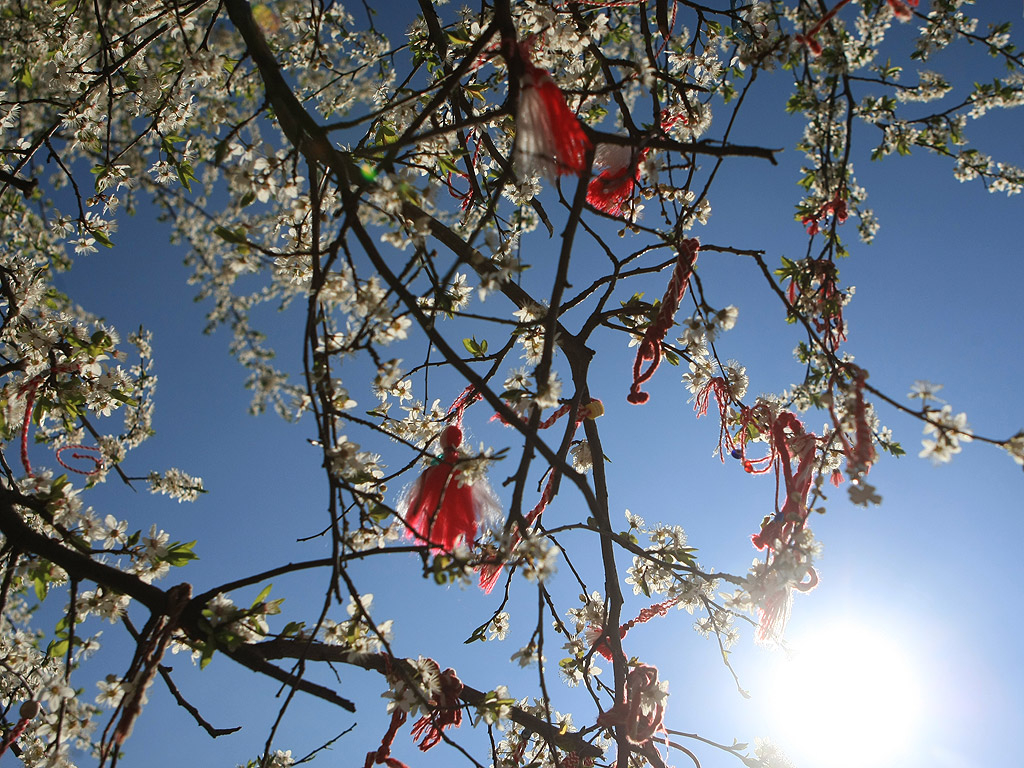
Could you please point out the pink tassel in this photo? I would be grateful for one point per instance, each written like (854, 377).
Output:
(549, 138)
(439, 509)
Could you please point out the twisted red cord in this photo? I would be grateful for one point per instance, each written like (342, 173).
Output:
(793, 513)
(658, 609)
(650, 346)
(629, 716)
(30, 401)
(97, 462)
(466, 398)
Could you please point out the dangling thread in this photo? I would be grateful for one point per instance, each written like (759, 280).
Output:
(30, 401)
(97, 462)
(658, 609)
(650, 346)
(592, 409)
(446, 712)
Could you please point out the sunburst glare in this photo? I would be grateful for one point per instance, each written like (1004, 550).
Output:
(846, 695)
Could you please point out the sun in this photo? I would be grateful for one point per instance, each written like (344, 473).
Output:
(846, 695)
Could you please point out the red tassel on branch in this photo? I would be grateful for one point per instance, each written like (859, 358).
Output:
(442, 508)
(550, 140)
(446, 713)
(612, 189)
(790, 440)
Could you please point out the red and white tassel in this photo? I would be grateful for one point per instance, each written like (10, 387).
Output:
(550, 141)
(442, 508)
(612, 190)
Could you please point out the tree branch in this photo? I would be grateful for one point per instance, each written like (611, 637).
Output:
(312, 651)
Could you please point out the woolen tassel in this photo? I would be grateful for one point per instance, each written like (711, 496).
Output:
(442, 509)
(550, 140)
(612, 189)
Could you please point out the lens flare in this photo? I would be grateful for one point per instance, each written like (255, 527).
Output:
(846, 695)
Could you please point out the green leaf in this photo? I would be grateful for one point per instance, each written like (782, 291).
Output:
(180, 554)
(477, 636)
(207, 655)
(263, 595)
(122, 397)
(237, 236)
(474, 347)
(447, 164)
(475, 90)
(57, 649)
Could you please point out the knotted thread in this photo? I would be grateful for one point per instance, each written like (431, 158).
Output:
(650, 346)
(641, 714)
(447, 712)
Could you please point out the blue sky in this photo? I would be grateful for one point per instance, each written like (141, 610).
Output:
(936, 568)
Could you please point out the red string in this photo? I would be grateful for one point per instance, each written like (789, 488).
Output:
(723, 397)
(629, 716)
(861, 454)
(658, 609)
(809, 40)
(592, 409)
(447, 712)
(97, 462)
(466, 398)
(788, 434)
(30, 400)
(382, 756)
(650, 346)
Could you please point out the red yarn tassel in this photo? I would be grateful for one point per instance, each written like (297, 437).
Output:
(440, 508)
(612, 189)
(549, 138)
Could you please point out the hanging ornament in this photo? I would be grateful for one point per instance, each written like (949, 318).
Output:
(444, 506)
(612, 189)
(550, 141)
